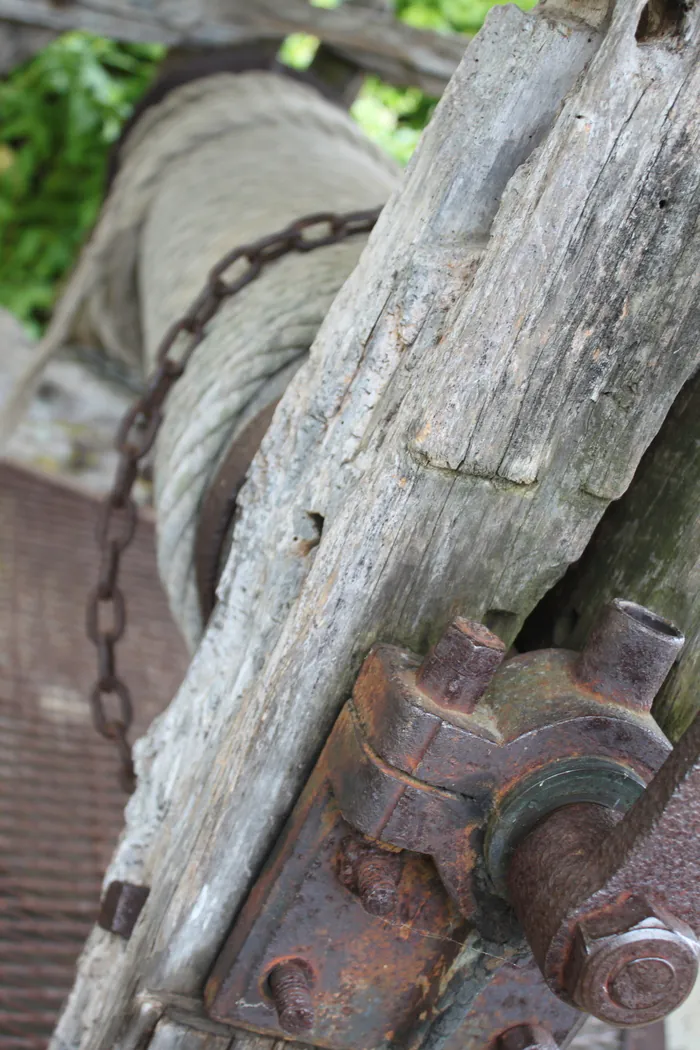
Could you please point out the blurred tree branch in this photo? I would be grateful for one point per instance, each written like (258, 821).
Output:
(372, 38)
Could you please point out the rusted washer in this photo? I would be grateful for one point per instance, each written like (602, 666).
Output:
(586, 779)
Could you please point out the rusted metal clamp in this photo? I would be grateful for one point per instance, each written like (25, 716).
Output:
(428, 797)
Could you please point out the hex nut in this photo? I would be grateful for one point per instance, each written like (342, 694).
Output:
(457, 670)
(636, 975)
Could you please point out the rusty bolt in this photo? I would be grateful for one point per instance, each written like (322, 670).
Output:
(627, 964)
(628, 654)
(458, 669)
(290, 988)
(376, 884)
(526, 1037)
(121, 906)
(372, 873)
(636, 975)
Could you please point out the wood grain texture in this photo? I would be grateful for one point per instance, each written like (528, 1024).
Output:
(373, 38)
(647, 549)
(484, 384)
(172, 1036)
(20, 42)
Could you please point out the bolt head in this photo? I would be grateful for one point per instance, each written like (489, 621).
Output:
(457, 670)
(526, 1037)
(635, 975)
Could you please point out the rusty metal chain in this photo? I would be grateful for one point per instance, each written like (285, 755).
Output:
(136, 436)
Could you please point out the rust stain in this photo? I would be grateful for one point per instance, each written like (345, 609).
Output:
(424, 431)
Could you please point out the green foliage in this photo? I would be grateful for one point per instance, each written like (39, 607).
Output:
(394, 117)
(464, 16)
(59, 113)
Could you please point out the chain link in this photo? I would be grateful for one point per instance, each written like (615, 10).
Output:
(106, 614)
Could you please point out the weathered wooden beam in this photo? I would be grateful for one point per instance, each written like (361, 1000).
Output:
(19, 42)
(373, 38)
(172, 1036)
(484, 385)
(647, 549)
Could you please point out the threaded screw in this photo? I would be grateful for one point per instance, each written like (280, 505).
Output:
(290, 987)
(376, 883)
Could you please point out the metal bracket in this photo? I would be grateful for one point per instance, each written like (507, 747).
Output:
(393, 867)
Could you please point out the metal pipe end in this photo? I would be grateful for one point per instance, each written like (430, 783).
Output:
(629, 652)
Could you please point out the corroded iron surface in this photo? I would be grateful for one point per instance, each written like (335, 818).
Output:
(60, 804)
(436, 774)
(514, 996)
(612, 909)
(368, 976)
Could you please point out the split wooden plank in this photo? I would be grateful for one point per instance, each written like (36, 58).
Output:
(647, 550)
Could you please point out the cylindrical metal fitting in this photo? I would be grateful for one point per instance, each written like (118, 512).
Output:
(629, 966)
(290, 989)
(526, 1037)
(377, 883)
(628, 654)
(546, 867)
(458, 669)
(633, 977)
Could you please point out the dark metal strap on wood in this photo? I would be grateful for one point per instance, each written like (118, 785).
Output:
(219, 507)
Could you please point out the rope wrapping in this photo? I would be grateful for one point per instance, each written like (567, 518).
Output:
(218, 162)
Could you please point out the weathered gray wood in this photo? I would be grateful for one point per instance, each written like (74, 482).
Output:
(483, 386)
(647, 549)
(172, 1036)
(373, 38)
(19, 42)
